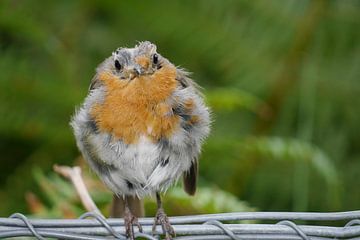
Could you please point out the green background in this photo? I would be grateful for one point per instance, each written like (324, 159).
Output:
(282, 79)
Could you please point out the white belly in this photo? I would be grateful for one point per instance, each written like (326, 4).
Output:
(137, 169)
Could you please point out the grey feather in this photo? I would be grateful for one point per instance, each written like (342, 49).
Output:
(95, 83)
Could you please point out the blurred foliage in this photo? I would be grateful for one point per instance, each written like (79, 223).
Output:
(281, 77)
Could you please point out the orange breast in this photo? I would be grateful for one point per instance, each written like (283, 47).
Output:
(137, 107)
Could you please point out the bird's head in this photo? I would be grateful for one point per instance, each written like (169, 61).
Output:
(137, 73)
(130, 63)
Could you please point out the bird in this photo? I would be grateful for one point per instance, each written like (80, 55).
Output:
(141, 128)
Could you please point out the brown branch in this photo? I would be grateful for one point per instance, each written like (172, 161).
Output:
(74, 175)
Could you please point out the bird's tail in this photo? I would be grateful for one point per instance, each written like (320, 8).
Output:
(136, 206)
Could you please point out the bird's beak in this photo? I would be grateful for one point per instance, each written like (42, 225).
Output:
(135, 72)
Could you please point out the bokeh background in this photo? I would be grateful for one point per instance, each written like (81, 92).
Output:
(282, 79)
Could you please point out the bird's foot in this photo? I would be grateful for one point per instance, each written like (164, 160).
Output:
(130, 220)
(161, 218)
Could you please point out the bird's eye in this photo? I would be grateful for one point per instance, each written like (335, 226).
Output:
(155, 58)
(118, 65)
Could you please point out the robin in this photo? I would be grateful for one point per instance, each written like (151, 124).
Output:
(141, 128)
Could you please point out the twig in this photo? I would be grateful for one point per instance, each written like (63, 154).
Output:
(74, 175)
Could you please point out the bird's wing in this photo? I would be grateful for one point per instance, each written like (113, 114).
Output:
(185, 82)
(95, 83)
(190, 178)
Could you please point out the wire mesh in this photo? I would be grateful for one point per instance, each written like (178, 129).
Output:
(93, 225)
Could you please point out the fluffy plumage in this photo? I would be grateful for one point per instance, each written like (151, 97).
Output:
(142, 124)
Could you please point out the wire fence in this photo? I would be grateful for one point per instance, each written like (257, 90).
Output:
(211, 226)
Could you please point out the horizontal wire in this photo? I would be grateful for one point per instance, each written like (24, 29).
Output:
(196, 227)
(307, 216)
(250, 237)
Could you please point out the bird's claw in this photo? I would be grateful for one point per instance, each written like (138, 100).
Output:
(162, 219)
(130, 220)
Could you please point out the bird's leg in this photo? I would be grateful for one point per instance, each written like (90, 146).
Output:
(161, 218)
(130, 220)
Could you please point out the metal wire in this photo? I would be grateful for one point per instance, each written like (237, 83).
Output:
(103, 222)
(353, 222)
(226, 230)
(211, 226)
(28, 224)
(295, 227)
